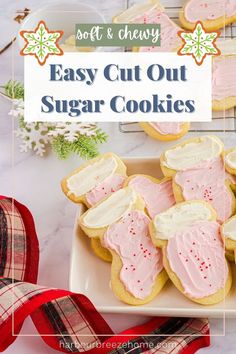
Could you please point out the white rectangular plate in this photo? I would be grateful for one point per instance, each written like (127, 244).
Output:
(91, 276)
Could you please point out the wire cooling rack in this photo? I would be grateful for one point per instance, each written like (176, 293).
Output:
(222, 121)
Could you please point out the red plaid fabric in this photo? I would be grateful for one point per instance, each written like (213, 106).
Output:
(66, 321)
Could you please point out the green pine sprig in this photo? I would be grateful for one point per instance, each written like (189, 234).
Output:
(14, 89)
(85, 146)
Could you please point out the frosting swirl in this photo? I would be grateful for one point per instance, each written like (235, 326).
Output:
(193, 153)
(111, 209)
(89, 177)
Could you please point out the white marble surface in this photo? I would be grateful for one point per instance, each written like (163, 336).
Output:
(35, 182)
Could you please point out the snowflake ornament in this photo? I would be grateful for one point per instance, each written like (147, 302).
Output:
(41, 43)
(199, 43)
(17, 110)
(71, 131)
(34, 137)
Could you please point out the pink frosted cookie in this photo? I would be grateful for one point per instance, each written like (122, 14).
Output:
(193, 251)
(95, 180)
(198, 172)
(153, 12)
(208, 182)
(137, 273)
(157, 194)
(141, 262)
(224, 82)
(165, 131)
(214, 14)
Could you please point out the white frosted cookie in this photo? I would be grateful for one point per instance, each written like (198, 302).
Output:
(95, 179)
(214, 14)
(137, 273)
(190, 153)
(92, 182)
(193, 251)
(198, 172)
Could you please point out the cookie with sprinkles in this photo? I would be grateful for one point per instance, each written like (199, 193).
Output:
(137, 273)
(198, 171)
(214, 14)
(193, 251)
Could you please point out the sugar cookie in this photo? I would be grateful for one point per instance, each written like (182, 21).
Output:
(137, 273)
(228, 231)
(224, 76)
(165, 131)
(190, 153)
(214, 14)
(100, 251)
(95, 180)
(198, 172)
(157, 194)
(230, 161)
(230, 256)
(193, 252)
(153, 12)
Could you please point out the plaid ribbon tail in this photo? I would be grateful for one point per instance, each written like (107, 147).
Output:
(62, 318)
(163, 335)
(66, 321)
